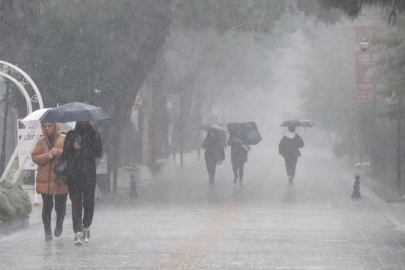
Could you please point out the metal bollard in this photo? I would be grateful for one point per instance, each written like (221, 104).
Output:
(356, 188)
(133, 193)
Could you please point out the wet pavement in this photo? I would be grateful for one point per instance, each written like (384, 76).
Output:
(180, 222)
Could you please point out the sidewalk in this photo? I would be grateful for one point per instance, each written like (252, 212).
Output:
(387, 194)
(179, 221)
(172, 166)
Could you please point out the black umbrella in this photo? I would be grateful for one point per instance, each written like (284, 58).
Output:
(298, 123)
(73, 112)
(207, 127)
(250, 133)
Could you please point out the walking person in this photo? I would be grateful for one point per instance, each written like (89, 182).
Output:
(239, 153)
(289, 149)
(82, 146)
(46, 154)
(214, 152)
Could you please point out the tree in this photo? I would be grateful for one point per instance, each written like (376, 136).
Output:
(353, 8)
(76, 47)
(392, 62)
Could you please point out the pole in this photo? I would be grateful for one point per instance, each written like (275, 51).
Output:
(373, 163)
(181, 127)
(399, 161)
(181, 139)
(3, 144)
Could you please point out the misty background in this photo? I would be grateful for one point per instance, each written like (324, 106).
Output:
(200, 62)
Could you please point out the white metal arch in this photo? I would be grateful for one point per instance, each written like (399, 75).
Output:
(21, 88)
(30, 81)
(36, 98)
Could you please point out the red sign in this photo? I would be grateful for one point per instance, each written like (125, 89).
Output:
(366, 69)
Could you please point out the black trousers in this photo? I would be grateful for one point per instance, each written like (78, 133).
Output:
(238, 169)
(81, 193)
(60, 208)
(290, 165)
(211, 167)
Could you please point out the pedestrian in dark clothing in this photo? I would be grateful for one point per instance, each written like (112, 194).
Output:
(238, 155)
(214, 152)
(83, 146)
(289, 149)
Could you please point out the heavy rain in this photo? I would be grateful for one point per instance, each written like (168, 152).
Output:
(202, 134)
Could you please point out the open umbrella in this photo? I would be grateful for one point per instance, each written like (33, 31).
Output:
(298, 123)
(34, 119)
(249, 131)
(75, 111)
(206, 127)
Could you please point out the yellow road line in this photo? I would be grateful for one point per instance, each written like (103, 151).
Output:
(191, 254)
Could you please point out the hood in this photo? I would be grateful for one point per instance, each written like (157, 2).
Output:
(79, 130)
(55, 135)
(290, 135)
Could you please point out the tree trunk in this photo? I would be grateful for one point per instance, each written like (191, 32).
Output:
(147, 53)
(3, 144)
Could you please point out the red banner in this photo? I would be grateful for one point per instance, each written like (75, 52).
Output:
(366, 69)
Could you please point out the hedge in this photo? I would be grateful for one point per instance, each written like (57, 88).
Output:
(14, 202)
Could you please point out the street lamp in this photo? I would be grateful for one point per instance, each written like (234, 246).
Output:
(369, 78)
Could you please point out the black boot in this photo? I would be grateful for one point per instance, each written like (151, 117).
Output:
(58, 230)
(48, 232)
(59, 225)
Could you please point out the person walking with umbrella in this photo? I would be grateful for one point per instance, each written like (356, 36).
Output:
(83, 146)
(46, 154)
(239, 153)
(289, 149)
(214, 152)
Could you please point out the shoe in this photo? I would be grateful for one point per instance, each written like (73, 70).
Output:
(235, 180)
(290, 180)
(79, 238)
(240, 183)
(48, 237)
(86, 235)
(58, 231)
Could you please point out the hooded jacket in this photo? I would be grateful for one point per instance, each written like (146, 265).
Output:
(84, 158)
(214, 147)
(289, 145)
(47, 180)
(238, 153)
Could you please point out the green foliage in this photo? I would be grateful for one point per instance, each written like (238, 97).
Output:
(392, 61)
(353, 8)
(240, 15)
(313, 8)
(76, 47)
(14, 202)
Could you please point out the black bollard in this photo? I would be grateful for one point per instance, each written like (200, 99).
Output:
(356, 188)
(133, 193)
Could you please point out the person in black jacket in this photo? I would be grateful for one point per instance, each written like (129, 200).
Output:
(289, 149)
(238, 155)
(82, 146)
(214, 152)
